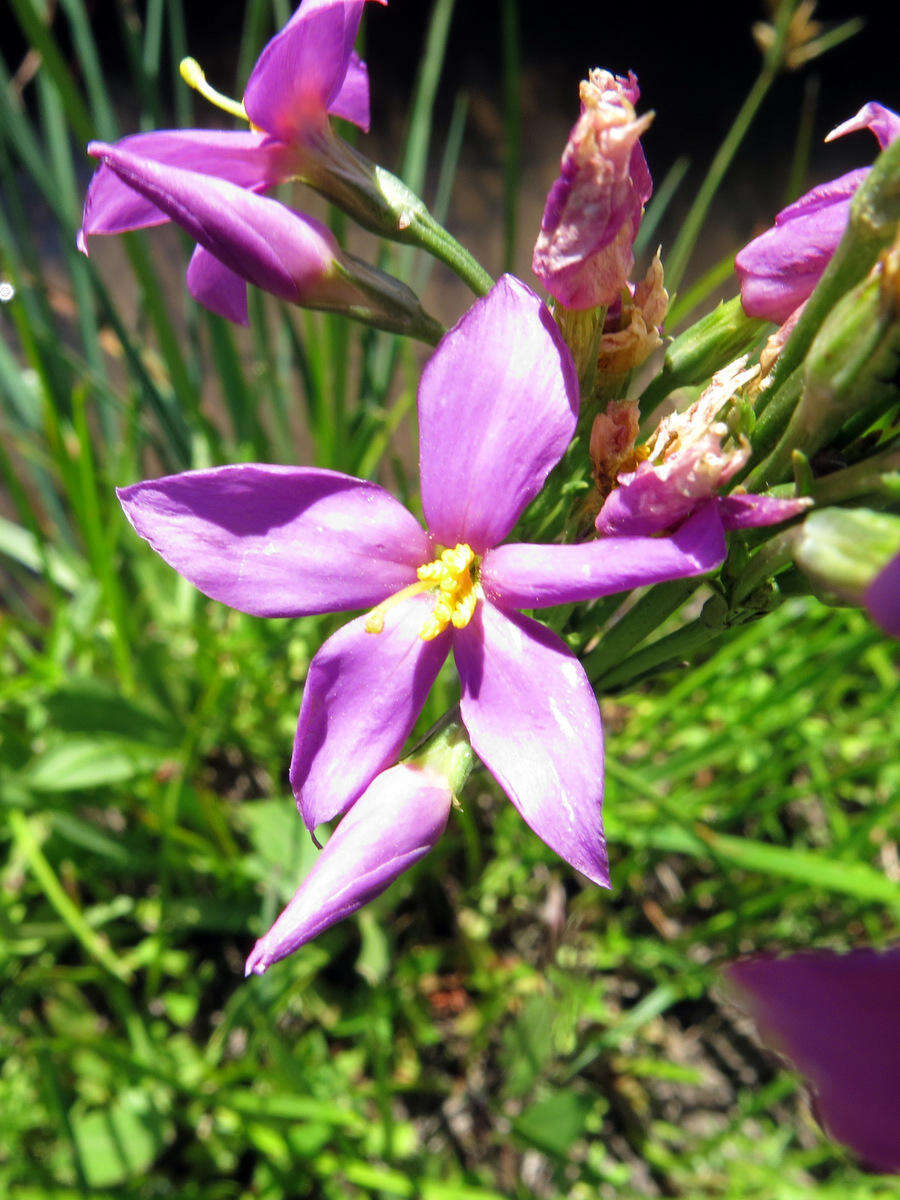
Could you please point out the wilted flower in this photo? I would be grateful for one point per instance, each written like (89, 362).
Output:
(282, 541)
(632, 333)
(307, 72)
(583, 254)
(686, 467)
(780, 269)
(834, 1016)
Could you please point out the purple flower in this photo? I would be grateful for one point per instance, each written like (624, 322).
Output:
(583, 254)
(834, 1016)
(780, 269)
(307, 72)
(393, 824)
(882, 598)
(497, 409)
(686, 467)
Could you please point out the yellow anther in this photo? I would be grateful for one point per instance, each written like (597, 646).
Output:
(375, 619)
(195, 77)
(449, 579)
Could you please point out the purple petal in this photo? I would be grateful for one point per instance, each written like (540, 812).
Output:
(780, 269)
(216, 288)
(352, 101)
(259, 239)
(882, 598)
(534, 576)
(534, 722)
(884, 123)
(391, 826)
(279, 541)
(363, 694)
(302, 70)
(498, 402)
(249, 160)
(835, 1017)
(744, 511)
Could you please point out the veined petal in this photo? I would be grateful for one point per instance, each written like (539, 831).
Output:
(352, 100)
(534, 722)
(261, 240)
(498, 402)
(302, 70)
(392, 825)
(835, 1017)
(363, 694)
(247, 159)
(216, 288)
(535, 576)
(744, 511)
(279, 541)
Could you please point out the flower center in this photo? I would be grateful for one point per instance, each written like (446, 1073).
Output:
(452, 578)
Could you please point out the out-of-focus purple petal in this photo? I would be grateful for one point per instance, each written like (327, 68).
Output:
(835, 1017)
(744, 511)
(535, 576)
(534, 722)
(883, 122)
(882, 598)
(302, 69)
(780, 269)
(362, 696)
(498, 402)
(352, 101)
(259, 239)
(248, 159)
(279, 541)
(216, 288)
(392, 825)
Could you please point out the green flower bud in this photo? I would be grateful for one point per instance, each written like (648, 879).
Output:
(841, 550)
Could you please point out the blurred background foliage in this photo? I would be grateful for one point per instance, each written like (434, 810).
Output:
(490, 1027)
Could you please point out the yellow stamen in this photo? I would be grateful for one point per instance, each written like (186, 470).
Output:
(375, 619)
(449, 579)
(195, 77)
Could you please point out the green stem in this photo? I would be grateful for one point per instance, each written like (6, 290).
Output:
(677, 261)
(647, 614)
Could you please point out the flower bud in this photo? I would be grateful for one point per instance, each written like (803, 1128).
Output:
(845, 552)
(583, 254)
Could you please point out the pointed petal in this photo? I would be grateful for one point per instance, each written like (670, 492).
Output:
(279, 541)
(303, 68)
(884, 123)
(535, 576)
(363, 694)
(391, 826)
(216, 288)
(498, 402)
(835, 1017)
(744, 511)
(259, 239)
(352, 100)
(249, 160)
(534, 722)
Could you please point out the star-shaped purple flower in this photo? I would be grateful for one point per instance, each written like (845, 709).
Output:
(497, 408)
(307, 72)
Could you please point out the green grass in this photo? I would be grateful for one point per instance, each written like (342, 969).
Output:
(488, 1028)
